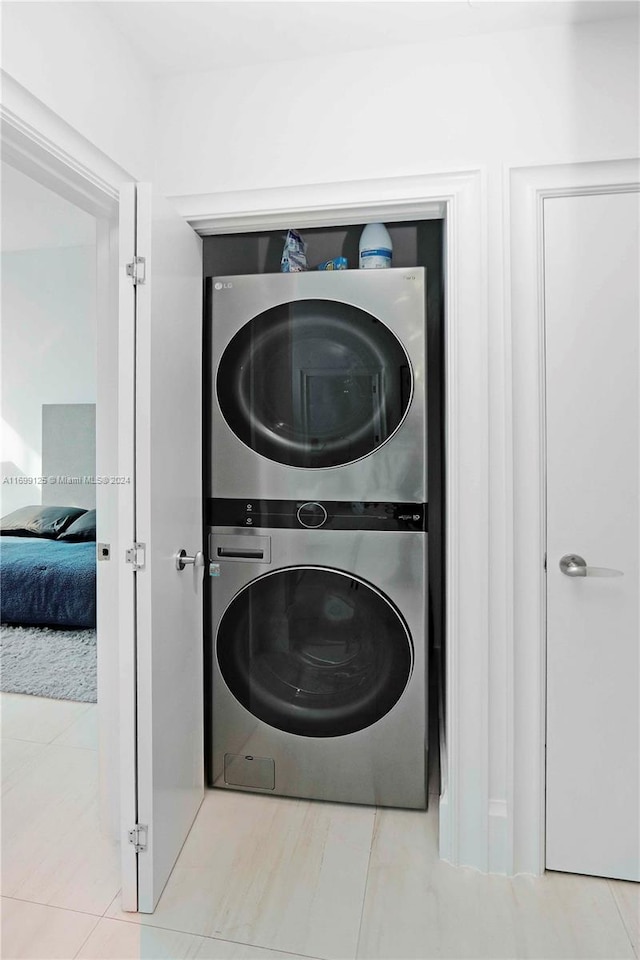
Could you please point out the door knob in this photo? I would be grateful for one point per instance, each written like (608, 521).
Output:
(182, 559)
(574, 566)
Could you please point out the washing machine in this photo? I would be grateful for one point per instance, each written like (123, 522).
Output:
(318, 651)
(318, 385)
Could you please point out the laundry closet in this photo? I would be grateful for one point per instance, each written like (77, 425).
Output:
(324, 516)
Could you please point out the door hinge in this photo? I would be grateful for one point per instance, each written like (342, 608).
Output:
(137, 270)
(139, 836)
(135, 555)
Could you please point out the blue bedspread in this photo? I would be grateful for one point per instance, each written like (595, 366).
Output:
(47, 582)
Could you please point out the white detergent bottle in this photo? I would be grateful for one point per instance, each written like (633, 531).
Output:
(375, 247)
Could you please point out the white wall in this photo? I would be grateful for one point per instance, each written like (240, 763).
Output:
(48, 351)
(549, 95)
(74, 61)
(527, 97)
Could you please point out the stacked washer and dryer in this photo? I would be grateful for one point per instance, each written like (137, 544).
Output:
(317, 541)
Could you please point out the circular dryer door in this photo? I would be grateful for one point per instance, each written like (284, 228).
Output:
(314, 652)
(314, 383)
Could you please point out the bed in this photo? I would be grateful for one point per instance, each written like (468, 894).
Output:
(48, 567)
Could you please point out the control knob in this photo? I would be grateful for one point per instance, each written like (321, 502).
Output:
(312, 515)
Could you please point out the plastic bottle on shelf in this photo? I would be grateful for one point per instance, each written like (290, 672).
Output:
(376, 247)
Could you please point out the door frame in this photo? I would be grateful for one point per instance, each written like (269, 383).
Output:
(459, 198)
(39, 144)
(526, 189)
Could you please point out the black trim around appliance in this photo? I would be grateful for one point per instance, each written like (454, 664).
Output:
(321, 514)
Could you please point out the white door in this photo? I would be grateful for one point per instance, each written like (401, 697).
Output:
(592, 317)
(163, 781)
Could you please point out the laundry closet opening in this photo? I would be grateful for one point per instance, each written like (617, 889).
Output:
(263, 569)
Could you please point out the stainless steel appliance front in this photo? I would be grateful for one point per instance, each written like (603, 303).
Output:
(319, 663)
(318, 385)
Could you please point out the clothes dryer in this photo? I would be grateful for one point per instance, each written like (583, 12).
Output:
(318, 650)
(318, 385)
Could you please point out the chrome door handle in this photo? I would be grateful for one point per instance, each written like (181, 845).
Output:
(574, 566)
(182, 559)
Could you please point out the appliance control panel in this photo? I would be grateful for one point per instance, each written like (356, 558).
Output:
(316, 514)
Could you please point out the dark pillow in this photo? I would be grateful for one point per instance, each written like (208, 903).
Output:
(84, 528)
(39, 521)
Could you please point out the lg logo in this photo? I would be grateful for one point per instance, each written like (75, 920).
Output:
(222, 286)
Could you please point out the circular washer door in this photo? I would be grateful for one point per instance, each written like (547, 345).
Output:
(314, 651)
(314, 383)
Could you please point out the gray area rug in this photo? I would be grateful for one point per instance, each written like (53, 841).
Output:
(49, 663)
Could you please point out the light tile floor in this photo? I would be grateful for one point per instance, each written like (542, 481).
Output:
(266, 878)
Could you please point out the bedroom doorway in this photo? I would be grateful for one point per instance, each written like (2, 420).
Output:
(59, 509)
(48, 493)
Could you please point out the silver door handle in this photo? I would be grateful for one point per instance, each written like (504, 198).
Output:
(182, 559)
(574, 566)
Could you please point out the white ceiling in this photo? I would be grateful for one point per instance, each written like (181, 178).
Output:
(35, 218)
(181, 37)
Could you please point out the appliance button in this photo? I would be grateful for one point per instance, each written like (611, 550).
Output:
(312, 514)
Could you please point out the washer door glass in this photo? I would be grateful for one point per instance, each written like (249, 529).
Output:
(314, 652)
(314, 383)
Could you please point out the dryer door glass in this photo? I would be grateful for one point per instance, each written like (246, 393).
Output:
(314, 383)
(314, 652)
